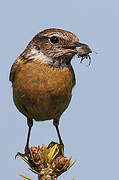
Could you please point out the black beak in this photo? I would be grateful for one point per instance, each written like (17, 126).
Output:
(78, 44)
(84, 48)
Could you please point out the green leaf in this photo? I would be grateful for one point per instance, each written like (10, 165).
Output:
(24, 177)
(36, 172)
(51, 153)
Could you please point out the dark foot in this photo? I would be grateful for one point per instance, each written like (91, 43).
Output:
(26, 154)
(52, 143)
(19, 154)
(61, 147)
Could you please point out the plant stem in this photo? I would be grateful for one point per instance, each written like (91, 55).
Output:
(46, 177)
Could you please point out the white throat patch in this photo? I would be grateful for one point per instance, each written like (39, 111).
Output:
(37, 55)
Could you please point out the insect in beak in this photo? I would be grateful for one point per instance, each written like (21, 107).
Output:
(83, 52)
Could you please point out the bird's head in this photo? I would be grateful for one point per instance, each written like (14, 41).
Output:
(53, 46)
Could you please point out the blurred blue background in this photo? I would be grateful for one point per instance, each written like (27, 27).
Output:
(90, 126)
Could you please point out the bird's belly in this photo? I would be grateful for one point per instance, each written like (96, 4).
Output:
(42, 106)
(43, 95)
(48, 107)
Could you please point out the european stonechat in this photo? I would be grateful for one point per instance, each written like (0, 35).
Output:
(42, 77)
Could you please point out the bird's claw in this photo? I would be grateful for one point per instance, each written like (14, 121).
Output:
(26, 154)
(20, 154)
(61, 147)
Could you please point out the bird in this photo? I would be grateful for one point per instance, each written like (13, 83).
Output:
(43, 78)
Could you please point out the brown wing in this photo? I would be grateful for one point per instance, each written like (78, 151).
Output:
(13, 70)
(73, 75)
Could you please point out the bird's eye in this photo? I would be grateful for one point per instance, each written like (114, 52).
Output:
(54, 39)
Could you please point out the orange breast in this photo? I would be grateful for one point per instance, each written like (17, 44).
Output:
(42, 92)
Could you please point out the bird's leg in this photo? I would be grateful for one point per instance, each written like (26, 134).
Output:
(61, 145)
(58, 133)
(30, 124)
(27, 153)
(56, 123)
